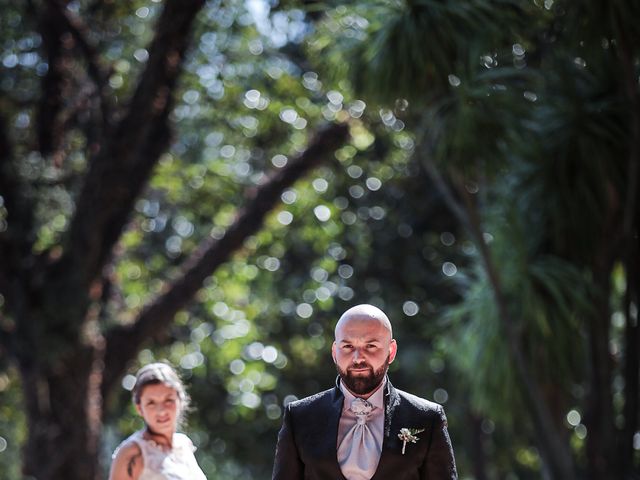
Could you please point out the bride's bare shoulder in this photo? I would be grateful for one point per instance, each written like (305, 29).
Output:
(127, 462)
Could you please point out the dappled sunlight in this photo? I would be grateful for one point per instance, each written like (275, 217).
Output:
(219, 206)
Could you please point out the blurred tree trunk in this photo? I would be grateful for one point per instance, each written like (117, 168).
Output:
(56, 300)
(631, 366)
(631, 231)
(63, 410)
(478, 453)
(599, 414)
(610, 449)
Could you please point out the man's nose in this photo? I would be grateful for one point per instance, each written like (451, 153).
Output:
(357, 356)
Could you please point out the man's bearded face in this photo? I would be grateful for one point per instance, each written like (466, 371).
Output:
(362, 384)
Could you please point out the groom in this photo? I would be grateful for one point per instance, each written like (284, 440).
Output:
(364, 428)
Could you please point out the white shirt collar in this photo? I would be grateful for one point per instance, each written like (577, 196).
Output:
(377, 399)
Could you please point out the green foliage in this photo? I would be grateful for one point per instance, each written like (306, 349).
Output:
(533, 117)
(414, 50)
(501, 93)
(548, 299)
(579, 130)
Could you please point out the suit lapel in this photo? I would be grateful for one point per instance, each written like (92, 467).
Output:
(333, 422)
(391, 401)
(389, 442)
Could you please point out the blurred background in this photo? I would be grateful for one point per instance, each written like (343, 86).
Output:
(214, 182)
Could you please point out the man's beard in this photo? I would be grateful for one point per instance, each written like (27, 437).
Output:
(363, 384)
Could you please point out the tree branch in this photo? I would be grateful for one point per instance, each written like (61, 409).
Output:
(52, 29)
(97, 72)
(121, 168)
(15, 228)
(67, 118)
(124, 342)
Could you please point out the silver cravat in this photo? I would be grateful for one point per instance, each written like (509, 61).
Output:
(358, 454)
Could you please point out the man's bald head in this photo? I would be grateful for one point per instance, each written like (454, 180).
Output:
(364, 313)
(363, 348)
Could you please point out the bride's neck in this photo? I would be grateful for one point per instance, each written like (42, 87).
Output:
(159, 438)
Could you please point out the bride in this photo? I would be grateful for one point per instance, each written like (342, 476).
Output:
(157, 452)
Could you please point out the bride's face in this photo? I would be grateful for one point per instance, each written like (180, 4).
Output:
(160, 407)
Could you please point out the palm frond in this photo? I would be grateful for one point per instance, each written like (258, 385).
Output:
(414, 46)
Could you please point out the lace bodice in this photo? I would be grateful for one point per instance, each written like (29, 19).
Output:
(178, 463)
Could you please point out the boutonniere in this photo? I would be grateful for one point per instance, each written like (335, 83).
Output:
(409, 435)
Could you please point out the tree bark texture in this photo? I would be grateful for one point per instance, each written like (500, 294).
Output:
(51, 297)
(599, 413)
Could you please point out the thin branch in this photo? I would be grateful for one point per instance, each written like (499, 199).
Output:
(51, 26)
(16, 238)
(15, 228)
(7, 192)
(5, 339)
(448, 197)
(125, 341)
(6, 151)
(67, 117)
(98, 73)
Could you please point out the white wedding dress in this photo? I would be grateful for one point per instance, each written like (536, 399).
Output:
(160, 463)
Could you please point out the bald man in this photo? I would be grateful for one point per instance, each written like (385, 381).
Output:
(364, 428)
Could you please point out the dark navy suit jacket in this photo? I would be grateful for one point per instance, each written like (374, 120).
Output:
(307, 442)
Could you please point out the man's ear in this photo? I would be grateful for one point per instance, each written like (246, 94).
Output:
(393, 349)
(333, 352)
(138, 409)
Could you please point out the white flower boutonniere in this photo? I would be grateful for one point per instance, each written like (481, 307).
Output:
(409, 435)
